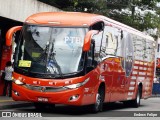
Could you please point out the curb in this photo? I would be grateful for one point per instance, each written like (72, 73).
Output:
(155, 95)
(15, 105)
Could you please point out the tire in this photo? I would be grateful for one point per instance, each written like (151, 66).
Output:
(136, 102)
(98, 106)
(44, 106)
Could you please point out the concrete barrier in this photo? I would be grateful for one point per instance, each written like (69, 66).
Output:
(19, 10)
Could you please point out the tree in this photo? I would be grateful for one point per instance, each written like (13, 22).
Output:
(140, 14)
(61, 4)
(92, 6)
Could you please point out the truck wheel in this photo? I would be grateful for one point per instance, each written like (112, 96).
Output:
(98, 106)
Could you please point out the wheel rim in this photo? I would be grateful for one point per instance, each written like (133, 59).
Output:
(138, 98)
(98, 101)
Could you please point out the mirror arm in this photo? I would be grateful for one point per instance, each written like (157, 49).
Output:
(87, 39)
(10, 33)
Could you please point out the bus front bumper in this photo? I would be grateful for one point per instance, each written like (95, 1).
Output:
(70, 96)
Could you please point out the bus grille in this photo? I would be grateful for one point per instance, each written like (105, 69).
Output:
(45, 88)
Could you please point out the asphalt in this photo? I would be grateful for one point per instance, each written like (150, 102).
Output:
(8, 103)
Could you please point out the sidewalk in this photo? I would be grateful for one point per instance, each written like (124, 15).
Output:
(8, 103)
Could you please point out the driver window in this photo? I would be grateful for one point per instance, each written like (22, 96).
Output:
(98, 39)
(90, 55)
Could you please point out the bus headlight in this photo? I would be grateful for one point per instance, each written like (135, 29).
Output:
(77, 85)
(73, 86)
(19, 82)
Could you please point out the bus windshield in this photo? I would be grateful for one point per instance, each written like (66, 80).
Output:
(50, 50)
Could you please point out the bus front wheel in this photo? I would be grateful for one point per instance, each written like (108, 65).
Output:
(98, 106)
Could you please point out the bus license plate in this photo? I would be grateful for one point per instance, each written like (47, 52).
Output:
(42, 99)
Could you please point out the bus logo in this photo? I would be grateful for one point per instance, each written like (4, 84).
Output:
(43, 89)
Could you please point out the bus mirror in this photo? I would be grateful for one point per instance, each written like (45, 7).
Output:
(9, 35)
(87, 39)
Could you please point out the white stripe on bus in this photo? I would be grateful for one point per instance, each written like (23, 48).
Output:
(130, 93)
(131, 88)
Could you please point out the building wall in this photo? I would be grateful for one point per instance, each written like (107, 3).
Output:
(19, 10)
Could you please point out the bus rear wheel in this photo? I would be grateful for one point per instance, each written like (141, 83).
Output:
(136, 102)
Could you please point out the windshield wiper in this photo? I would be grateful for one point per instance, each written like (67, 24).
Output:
(51, 57)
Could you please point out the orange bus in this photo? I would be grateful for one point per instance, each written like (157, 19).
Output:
(80, 59)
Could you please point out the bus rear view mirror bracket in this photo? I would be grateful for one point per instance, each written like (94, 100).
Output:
(88, 38)
(90, 68)
(10, 33)
(95, 63)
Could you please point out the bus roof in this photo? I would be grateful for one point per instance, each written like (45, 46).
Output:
(62, 18)
(77, 19)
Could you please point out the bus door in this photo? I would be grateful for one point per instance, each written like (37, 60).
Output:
(114, 74)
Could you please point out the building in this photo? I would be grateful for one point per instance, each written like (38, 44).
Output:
(13, 13)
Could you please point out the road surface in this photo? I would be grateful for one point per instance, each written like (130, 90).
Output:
(117, 111)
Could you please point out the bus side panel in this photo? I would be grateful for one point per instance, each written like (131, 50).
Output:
(142, 74)
(106, 68)
(91, 88)
(142, 69)
(117, 80)
(148, 81)
(114, 76)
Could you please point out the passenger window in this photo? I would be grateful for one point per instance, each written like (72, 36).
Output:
(110, 39)
(111, 42)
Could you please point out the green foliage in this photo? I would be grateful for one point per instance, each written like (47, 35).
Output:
(112, 9)
(61, 4)
(145, 21)
(92, 6)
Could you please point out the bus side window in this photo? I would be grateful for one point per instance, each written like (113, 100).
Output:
(110, 41)
(111, 44)
(158, 50)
